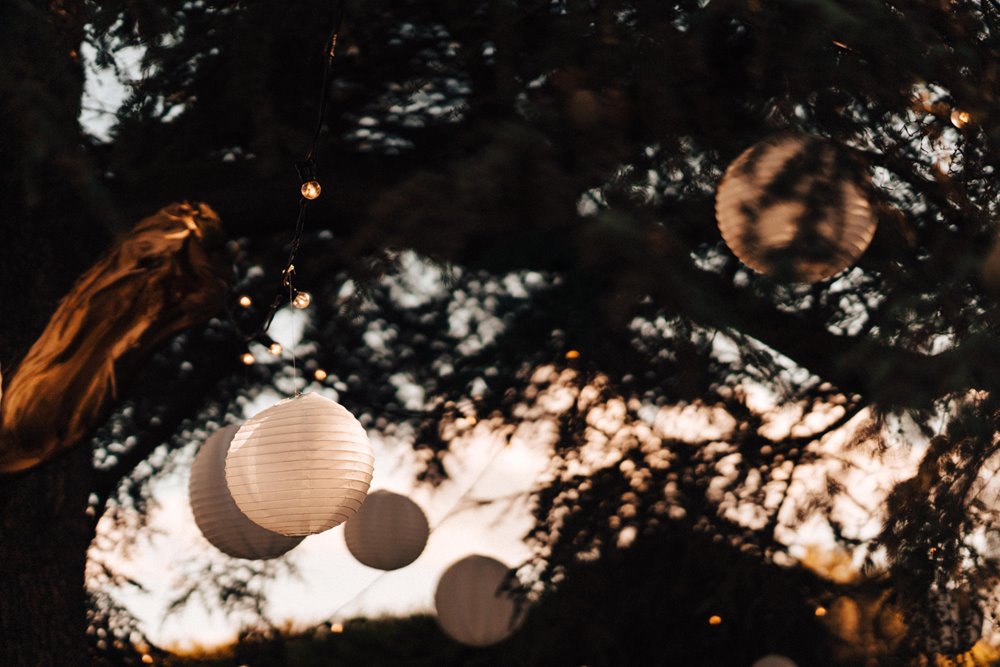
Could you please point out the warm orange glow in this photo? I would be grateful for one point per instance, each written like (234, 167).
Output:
(311, 189)
(715, 620)
(246, 301)
(147, 659)
(821, 611)
(573, 354)
(247, 359)
(320, 374)
(337, 628)
(275, 349)
(302, 300)
(960, 118)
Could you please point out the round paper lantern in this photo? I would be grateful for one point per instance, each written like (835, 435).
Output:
(774, 660)
(471, 608)
(388, 532)
(301, 466)
(219, 519)
(790, 205)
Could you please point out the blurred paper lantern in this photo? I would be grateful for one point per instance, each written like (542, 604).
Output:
(388, 532)
(219, 519)
(471, 608)
(774, 660)
(791, 205)
(301, 466)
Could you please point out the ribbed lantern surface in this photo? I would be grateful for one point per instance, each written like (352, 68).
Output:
(471, 608)
(219, 519)
(300, 467)
(388, 532)
(791, 204)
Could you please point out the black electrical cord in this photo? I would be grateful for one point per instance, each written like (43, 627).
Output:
(307, 175)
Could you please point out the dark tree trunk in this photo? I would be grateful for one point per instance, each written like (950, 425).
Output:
(44, 535)
(48, 234)
(166, 275)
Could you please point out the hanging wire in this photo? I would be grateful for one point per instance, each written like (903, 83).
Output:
(307, 172)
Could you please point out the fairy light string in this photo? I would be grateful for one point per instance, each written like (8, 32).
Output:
(309, 190)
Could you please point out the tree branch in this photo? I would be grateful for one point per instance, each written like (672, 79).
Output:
(167, 274)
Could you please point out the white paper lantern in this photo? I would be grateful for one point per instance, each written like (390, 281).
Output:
(791, 202)
(219, 519)
(471, 608)
(388, 532)
(301, 466)
(774, 660)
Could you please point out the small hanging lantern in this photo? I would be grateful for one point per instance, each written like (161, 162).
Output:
(219, 519)
(301, 466)
(471, 608)
(790, 205)
(388, 532)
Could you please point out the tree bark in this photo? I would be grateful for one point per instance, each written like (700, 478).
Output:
(161, 278)
(44, 535)
(167, 274)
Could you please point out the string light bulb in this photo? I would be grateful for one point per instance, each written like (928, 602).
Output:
(320, 375)
(311, 189)
(960, 118)
(247, 359)
(715, 619)
(820, 611)
(246, 301)
(275, 349)
(302, 300)
(573, 354)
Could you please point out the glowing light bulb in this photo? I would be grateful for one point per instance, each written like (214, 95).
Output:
(302, 300)
(960, 118)
(573, 354)
(275, 349)
(320, 375)
(247, 359)
(821, 611)
(714, 620)
(337, 627)
(311, 189)
(246, 301)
